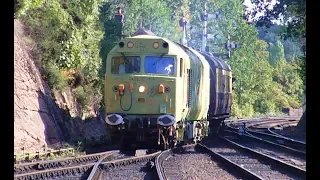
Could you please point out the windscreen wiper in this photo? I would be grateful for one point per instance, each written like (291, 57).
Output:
(156, 61)
(125, 58)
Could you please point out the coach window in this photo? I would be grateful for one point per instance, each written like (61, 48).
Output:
(125, 65)
(181, 67)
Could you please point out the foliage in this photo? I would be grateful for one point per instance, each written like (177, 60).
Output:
(109, 39)
(292, 48)
(255, 90)
(67, 35)
(287, 75)
(276, 53)
(302, 70)
(155, 14)
(54, 78)
(74, 37)
(21, 6)
(81, 96)
(293, 12)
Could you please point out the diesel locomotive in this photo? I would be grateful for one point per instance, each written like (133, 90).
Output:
(160, 93)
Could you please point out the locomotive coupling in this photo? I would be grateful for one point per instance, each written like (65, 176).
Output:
(114, 119)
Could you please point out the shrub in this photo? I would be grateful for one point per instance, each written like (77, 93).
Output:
(54, 78)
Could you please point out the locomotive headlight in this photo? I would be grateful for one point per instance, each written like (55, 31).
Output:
(142, 89)
(155, 45)
(130, 45)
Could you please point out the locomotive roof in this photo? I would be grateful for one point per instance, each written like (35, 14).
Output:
(217, 62)
(173, 48)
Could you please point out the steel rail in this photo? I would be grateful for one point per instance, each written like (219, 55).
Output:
(245, 172)
(295, 145)
(71, 171)
(284, 137)
(200, 147)
(248, 135)
(42, 165)
(96, 170)
(294, 169)
(164, 154)
(56, 166)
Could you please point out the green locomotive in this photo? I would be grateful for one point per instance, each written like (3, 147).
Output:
(162, 93)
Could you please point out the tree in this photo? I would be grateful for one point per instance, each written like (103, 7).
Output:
(67, 35)
(276, 53)
(156, 16)
(292, 11)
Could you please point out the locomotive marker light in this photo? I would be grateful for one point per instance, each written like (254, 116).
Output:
(130, 45)
(114, 119)
(121, 89)
(161, 88)
(156, 45)
(142, 89)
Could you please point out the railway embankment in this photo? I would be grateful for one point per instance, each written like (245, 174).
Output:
(42, 117)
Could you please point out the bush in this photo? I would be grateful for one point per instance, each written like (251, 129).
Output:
(54, 78)
(81, 96)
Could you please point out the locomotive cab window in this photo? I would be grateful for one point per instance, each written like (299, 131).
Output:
(159, 65)
(125, 65)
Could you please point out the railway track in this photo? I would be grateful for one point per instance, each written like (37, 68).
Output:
(51, 164)
(128, 168)
(76, 167)
(197, 162)
(271, 130)
(256, 161)
(272, 138)
(259, 165)
(287, 155)
(261, 124)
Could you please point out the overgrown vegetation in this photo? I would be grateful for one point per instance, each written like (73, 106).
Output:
(68, 35)
(73, 38)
